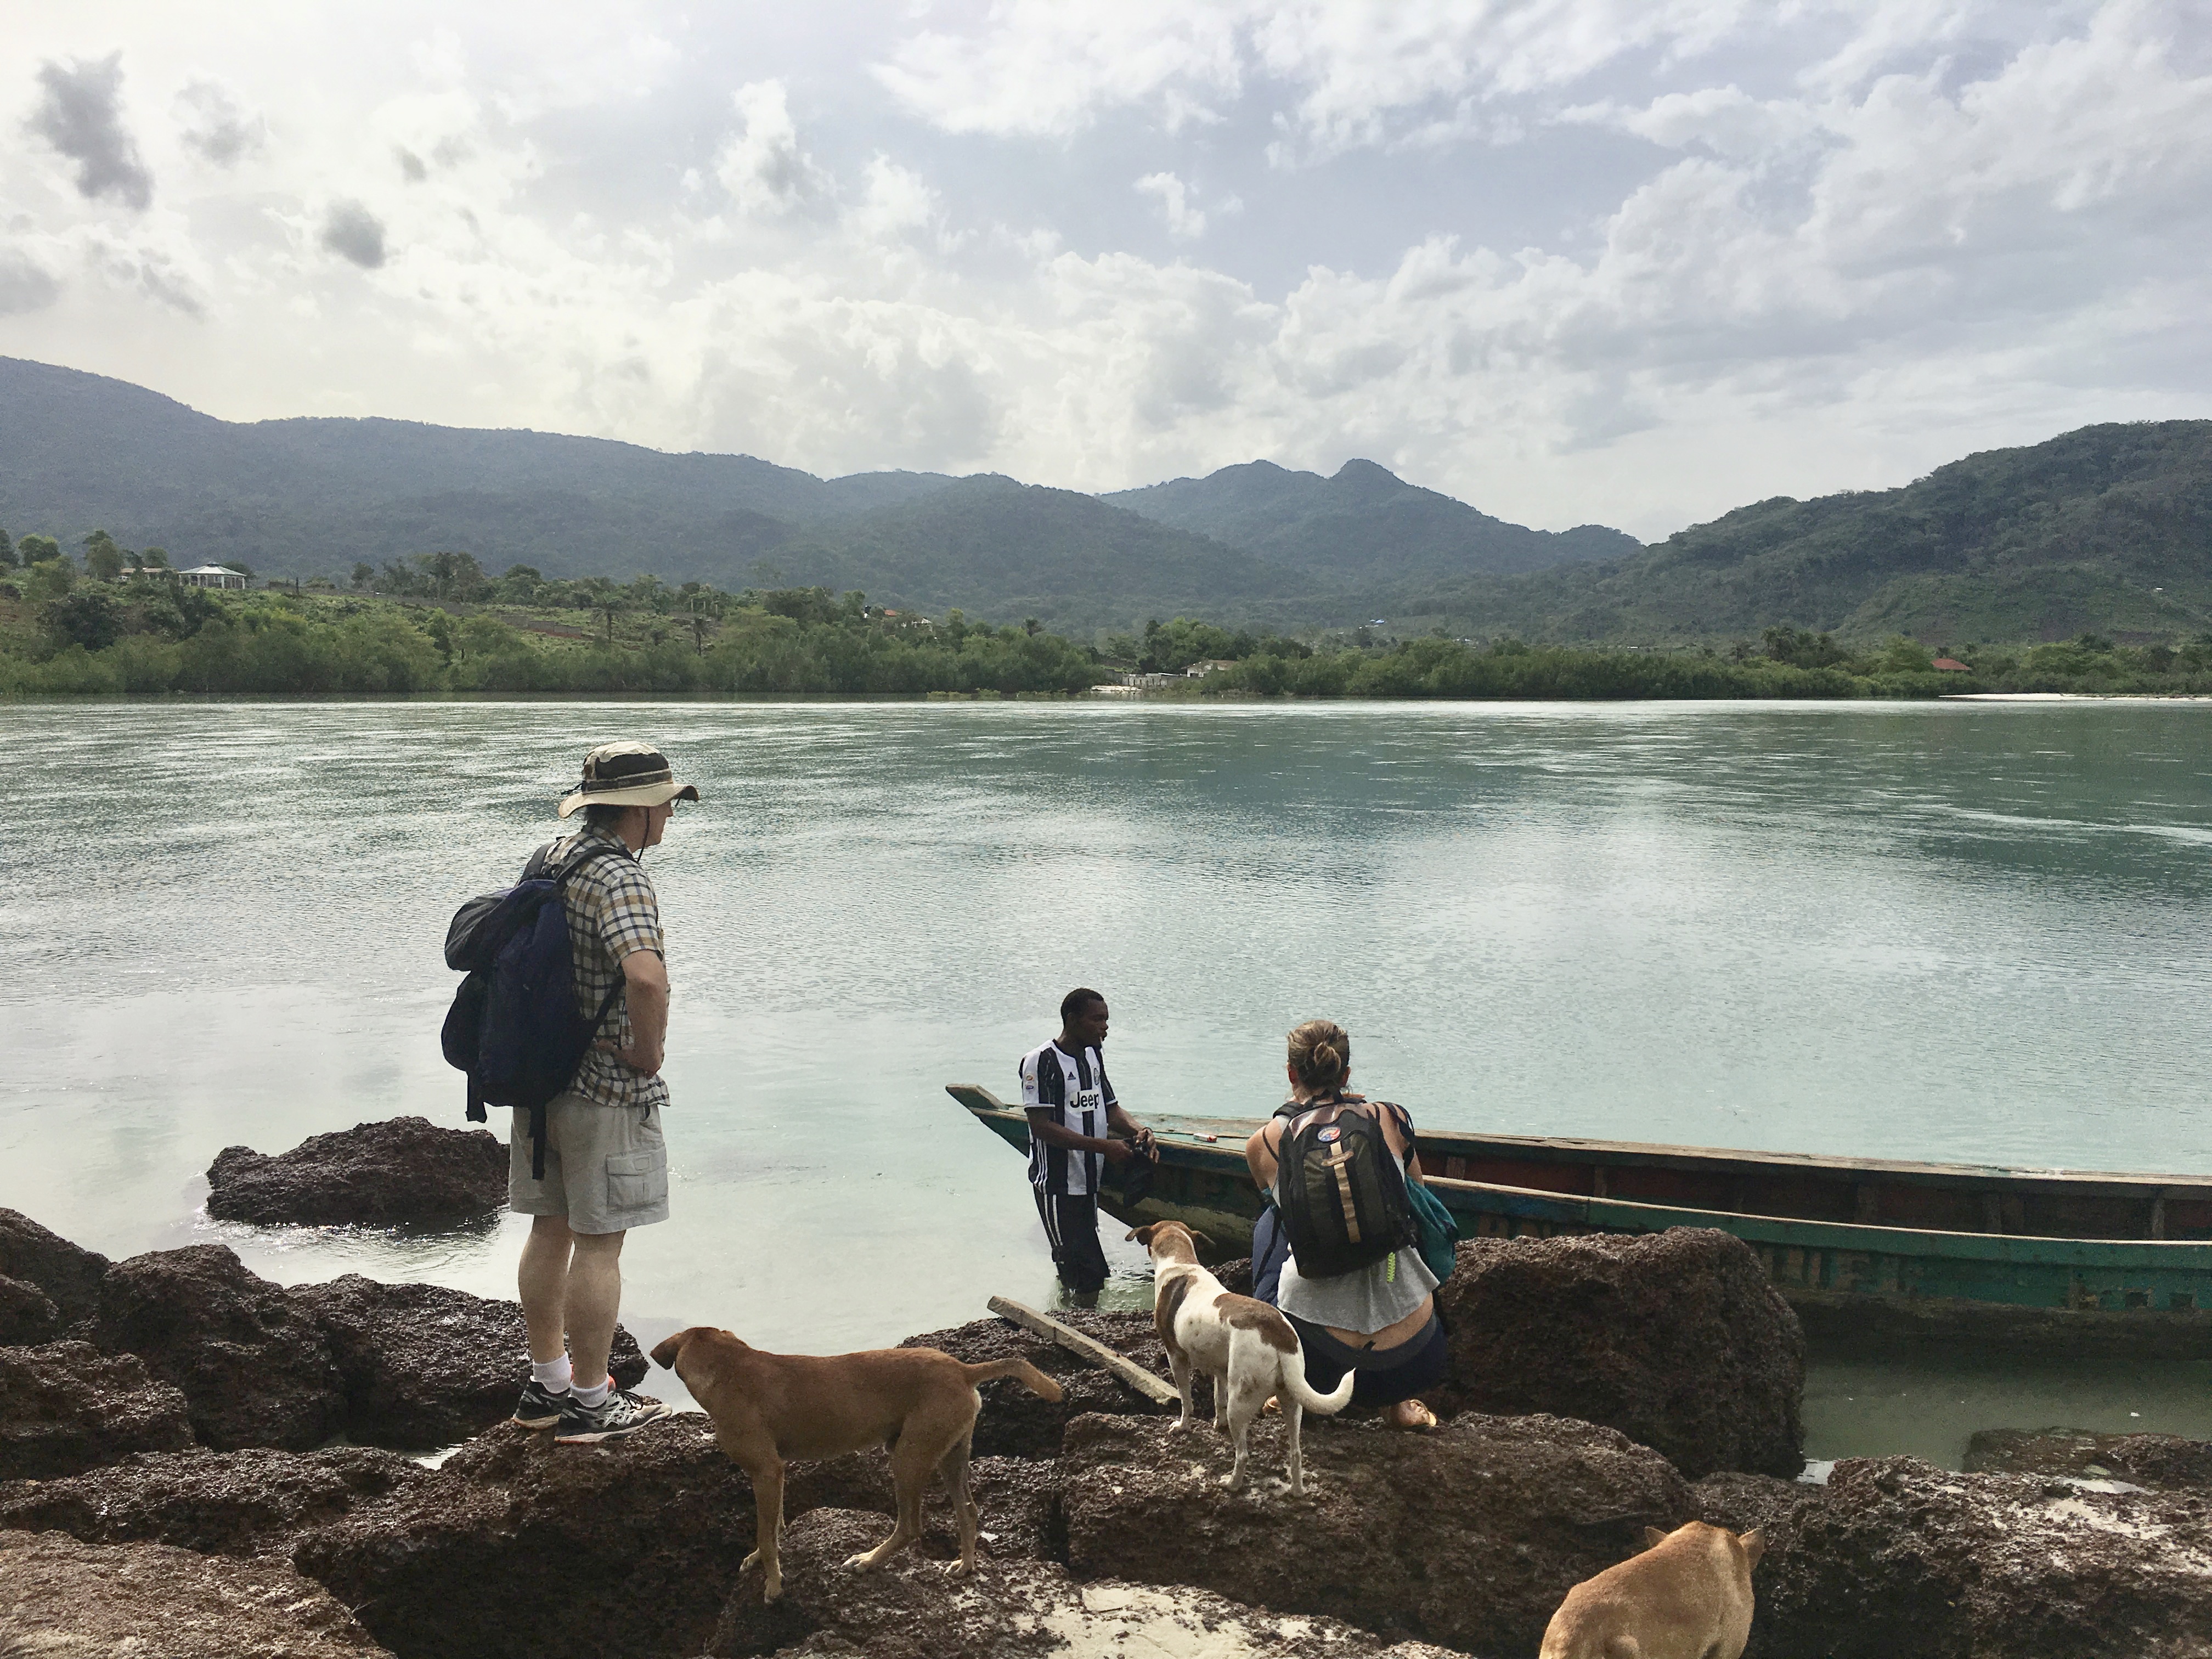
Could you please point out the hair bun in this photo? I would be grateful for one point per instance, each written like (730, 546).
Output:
(1321, 1053)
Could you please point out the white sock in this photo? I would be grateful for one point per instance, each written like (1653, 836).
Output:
(589, 1398)
(551, 1375)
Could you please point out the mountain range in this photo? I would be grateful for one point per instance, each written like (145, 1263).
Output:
(305, 497)
(2107, 528)
(1365, 523)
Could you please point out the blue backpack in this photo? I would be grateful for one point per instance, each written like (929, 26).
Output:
(514, 1026)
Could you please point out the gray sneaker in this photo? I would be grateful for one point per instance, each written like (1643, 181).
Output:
(540, 1407)
(620, 1413)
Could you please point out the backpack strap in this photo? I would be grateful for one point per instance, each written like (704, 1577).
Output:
(542, 868)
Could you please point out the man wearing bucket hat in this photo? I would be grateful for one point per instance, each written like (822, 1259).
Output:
(605, 1163)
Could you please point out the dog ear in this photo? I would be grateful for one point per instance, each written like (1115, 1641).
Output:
(664, 1351)
(1199, 1237)
(1143, 1234)
(1653, 1536)
(1754, 1545)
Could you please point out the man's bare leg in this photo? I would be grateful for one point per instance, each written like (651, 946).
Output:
(543, 1281)
(594, 1298)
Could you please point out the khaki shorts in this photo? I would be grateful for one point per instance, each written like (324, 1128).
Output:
(606, 1167)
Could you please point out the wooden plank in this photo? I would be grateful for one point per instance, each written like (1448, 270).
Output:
(1145, 1382)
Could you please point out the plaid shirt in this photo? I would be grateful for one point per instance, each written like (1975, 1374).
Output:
(612, 911)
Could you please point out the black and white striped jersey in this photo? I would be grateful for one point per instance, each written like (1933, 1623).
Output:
(1074, 1089)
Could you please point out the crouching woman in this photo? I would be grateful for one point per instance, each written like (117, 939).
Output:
(1379, 1321)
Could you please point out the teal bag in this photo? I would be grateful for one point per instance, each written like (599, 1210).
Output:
(1436, 1234)
(1439, 1231)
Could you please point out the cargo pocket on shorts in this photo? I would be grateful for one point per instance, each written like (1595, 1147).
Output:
(636, 1181)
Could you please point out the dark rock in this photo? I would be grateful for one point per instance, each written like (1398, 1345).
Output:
(406, 1170)
(239, 1502)
(424, 1366)
(255, 1369)
(1015, 1423)
(1469, 1535)
(1676, 1339)
(62, 1597)
(27, 1315)
(1017, 1506)
(909, 1608)
(518, 1544)
(68, 1275)
(1902, 1560)
(2161, 1460)
(1236, 1276)
(70, 1407)
(1743, 1501)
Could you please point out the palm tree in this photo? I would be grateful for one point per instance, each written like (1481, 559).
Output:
(605, 598)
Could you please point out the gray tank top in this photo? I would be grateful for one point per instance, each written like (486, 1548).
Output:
(1374, 1298)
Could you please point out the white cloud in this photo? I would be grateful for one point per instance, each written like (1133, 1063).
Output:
(1047, 67)
(1836, 258)
(761, 165)
(1184, 219)
(894, 200)
(1054, 66)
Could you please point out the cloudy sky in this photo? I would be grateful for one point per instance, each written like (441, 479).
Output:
(1626, 261)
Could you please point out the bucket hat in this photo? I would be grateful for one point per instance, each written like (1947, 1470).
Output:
(626, 775)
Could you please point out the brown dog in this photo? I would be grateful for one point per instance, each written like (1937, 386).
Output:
(1687, 1597)
(770, 1409)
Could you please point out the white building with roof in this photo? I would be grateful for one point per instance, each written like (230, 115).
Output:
(211, 575)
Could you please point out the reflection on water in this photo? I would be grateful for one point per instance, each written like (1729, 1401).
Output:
(1954, 931)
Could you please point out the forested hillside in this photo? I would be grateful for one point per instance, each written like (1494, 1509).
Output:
(80, 452)
(310, 498)
(1364, 525)
(307, 497)
(2107, 529)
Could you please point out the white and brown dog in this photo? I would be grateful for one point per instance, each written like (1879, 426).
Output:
(1687, 1597)
(769, 1409)
(1246, 1347)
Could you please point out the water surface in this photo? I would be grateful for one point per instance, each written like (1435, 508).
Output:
(1954, 931)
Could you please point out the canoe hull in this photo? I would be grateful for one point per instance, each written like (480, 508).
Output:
(2085, 1296)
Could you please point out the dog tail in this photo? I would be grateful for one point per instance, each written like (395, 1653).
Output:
(1021, 1370)
(1294, 1384)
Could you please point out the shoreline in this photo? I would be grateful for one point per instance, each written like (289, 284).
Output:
(1100, 1523)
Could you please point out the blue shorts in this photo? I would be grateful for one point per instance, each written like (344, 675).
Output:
(1386, 1374)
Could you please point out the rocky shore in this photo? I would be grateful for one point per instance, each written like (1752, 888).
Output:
(180, 1484)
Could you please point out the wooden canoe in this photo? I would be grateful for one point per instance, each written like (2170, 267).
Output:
(2052, 1260)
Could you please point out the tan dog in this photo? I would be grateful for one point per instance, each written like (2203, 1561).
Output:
(1687, 1597)
(771, 1408)
(1246, 1347)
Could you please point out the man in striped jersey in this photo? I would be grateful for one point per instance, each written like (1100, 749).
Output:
(1072, 1109)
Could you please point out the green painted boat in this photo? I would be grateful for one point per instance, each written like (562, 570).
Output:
(2048, 1261)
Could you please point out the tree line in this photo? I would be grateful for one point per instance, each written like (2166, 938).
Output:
(151, 636)
(438, 622)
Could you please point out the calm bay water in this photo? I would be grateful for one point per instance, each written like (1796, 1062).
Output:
(1956, 932)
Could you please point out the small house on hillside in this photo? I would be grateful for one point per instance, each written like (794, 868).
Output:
(211, 575)
(1206, 665)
